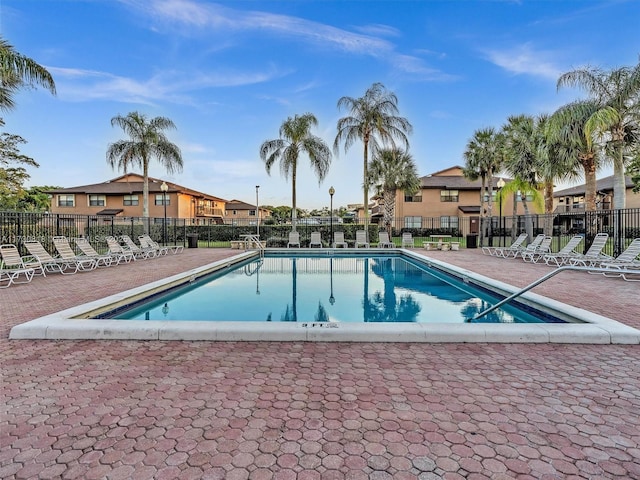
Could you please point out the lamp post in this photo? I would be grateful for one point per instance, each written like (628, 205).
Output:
(500, 185)
(164, 187)
(331, 192)
(257, 213)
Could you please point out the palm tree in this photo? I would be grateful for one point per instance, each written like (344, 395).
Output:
(391, 170)
(483, 157)
(616, 121)
(522, 161)
(373, 119)
(296, 137)
(17, 71)
(147, 140)
(573, 147)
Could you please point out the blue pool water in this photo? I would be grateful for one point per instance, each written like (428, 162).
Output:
(327, 289)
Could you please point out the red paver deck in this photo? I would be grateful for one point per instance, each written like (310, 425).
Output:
(229, 410)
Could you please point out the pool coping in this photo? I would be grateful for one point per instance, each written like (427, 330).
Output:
(74, 324)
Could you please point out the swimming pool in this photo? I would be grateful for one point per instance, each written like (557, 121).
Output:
(85, 322)
(321, 288)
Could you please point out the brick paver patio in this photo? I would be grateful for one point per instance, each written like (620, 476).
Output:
(228, 410)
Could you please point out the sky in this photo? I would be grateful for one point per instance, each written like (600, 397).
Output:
(229, 73)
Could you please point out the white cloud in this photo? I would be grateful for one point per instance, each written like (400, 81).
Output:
(524, 59)
(190, 14)
(80, 85)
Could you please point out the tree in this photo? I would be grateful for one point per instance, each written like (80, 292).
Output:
(18, 71)
(36, 199)
(374, 120)
(146, 140)
(615, 122)
(391, 170)
(634, 170)
(573, 148)
(296, 137)
(483, 157)
(522, 161)
(12, 177)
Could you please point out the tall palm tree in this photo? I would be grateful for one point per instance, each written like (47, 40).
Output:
(523, 160)
(483, 158)
(16, 71)
(146, 140)
(296, 137)
(573, 147)
(616, 121)
(373, 119)
(392, 170)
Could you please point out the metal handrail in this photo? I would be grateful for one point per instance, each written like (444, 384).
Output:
(255, 240)
(621, 271)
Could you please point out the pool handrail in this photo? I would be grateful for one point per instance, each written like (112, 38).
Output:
(546, 277)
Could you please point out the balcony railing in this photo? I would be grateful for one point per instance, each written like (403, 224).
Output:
(204, 211)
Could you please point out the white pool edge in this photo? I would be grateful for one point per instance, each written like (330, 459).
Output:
(73, 324)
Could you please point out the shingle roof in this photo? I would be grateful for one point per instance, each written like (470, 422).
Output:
(239, 205)
(602, 185)
(115, 187)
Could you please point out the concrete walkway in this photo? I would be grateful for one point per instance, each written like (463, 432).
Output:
(227, 410)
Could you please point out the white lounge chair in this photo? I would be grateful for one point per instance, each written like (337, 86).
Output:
(407, 240)
(316, 240)
(361, 239)
(153, 244)
(48, 262)
(626, 260)
(565, 253)
(294, 240)
(122, 254)
(593, 256)
(338, 240)
(102, 260)
(138, 251)
(532, 247)
(149, 245)
(534, 255)
(383, 240)
(500, 251)
(63, 247)
(13, 266)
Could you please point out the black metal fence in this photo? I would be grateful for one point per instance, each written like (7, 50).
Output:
(621, 225)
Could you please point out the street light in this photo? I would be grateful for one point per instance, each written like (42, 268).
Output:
(164, 187)
(331, 192)
(500, 185)
(257, 213)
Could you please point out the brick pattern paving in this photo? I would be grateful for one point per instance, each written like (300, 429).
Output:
(229, 410)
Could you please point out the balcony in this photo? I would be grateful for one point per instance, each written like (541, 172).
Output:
(205, 211)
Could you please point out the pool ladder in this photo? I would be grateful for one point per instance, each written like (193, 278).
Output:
(255, 240)
(620, 271)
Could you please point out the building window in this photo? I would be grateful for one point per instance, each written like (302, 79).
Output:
(66, 200)
(97, 200)
(159, 199)
(252, 213)
(130, 200)
(413, 198)
(449, 222)
(494, 195)
(529, 196)
(412, 222)
(235, 212)
(448, 195)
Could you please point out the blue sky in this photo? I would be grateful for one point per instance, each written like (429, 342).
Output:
(229, 73)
